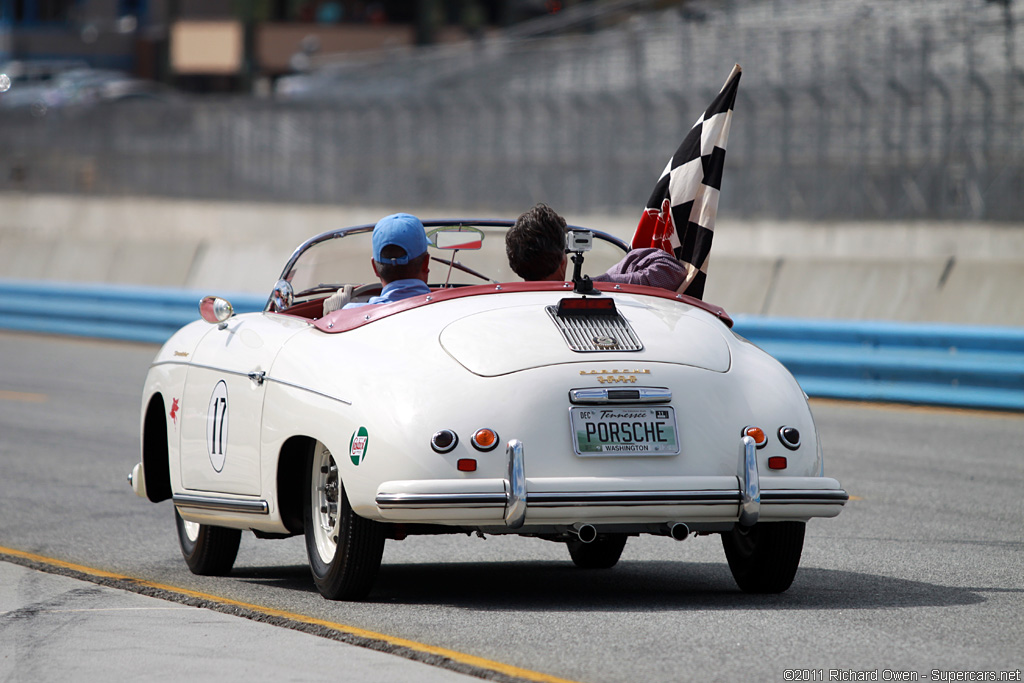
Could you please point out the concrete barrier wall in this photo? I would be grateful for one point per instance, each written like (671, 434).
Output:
(923, 272)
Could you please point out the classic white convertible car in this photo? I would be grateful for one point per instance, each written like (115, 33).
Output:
(548, 409)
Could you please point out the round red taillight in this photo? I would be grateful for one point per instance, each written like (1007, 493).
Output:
(444, 440)
(790, 437)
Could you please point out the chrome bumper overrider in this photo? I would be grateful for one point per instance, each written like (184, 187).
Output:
(740, 498)
(515, 511)
(750, 483)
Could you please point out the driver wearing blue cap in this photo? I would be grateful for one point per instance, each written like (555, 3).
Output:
(400, 259)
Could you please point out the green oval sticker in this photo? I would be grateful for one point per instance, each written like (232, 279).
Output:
(357, 446)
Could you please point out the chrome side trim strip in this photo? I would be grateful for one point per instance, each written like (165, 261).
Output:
(750, 483)
(197, 365)
(302, 388)
(600, 396)
(254, 507)
(804, 496)
(515, 512)
(254, 377)
(633, 498)
(446, 500)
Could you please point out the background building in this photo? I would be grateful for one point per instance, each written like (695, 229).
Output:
(229, 45)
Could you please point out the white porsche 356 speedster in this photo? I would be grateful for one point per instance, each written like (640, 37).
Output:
(582, 413)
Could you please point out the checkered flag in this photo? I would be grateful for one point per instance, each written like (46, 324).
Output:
(680, 215)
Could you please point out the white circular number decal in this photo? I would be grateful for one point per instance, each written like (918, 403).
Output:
(217, 425)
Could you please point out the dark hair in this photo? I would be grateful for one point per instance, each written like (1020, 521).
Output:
(389, 272)
(536, 243)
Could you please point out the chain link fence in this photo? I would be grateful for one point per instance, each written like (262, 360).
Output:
(847, 110)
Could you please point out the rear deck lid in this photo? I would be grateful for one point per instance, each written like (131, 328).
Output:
(505, 340)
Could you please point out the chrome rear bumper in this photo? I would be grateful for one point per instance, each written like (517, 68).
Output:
(518, 501)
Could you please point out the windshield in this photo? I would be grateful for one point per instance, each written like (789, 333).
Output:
(330, 263)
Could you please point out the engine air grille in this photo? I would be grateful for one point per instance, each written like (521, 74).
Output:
(592, 333)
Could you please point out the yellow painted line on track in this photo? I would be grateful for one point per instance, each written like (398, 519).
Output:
(24, 397)
(415, 646)
(914, 408)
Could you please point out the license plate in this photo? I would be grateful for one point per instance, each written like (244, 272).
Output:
(624, 431)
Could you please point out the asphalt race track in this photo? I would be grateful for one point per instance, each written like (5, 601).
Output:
(922, 571)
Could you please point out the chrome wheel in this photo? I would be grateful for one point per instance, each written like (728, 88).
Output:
(344, 549)
(325, 500)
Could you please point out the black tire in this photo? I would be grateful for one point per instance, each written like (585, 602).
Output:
(602, 553)
(344, 558)
(208, 550)
(764, 558)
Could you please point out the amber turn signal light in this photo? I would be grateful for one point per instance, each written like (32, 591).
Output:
(757, 434)
(485, 439)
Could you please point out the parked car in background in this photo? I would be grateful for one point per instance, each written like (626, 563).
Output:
(41, 88)
(30, 79)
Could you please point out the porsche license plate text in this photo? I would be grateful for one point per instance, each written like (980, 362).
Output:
(623, 431)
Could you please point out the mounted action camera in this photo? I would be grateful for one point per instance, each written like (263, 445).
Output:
(579, 240)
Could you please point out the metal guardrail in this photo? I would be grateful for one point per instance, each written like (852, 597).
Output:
(126, 313)
(967, 366)
(977, 367)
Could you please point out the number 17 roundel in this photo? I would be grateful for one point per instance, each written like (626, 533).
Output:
(217, 426)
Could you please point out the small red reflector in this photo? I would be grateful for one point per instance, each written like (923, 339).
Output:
(469, 465)
(777, 462)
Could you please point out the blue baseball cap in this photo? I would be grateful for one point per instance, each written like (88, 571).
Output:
(402, 230)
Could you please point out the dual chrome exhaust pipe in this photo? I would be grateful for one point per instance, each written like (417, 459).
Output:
(587, 533)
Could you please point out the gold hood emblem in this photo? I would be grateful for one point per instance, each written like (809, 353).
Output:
(616, 376)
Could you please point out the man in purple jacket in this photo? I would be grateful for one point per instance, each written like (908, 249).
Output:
(535, 247)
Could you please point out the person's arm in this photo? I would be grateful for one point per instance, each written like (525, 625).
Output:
(647, 266)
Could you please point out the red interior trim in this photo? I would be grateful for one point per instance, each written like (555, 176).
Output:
(351, 318)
